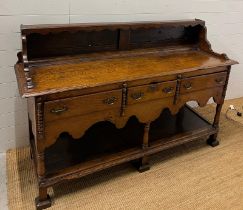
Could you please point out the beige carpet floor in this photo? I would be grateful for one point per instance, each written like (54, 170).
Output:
(191, 176)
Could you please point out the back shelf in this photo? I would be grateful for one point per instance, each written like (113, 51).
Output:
(65, 42)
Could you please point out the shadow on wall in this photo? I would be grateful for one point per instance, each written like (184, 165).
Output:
(21, 136)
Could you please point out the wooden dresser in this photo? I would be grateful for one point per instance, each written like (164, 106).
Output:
(104, 94)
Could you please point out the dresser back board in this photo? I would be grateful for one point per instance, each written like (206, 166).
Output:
(48, 41)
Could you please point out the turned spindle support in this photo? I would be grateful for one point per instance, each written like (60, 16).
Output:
(143, 163)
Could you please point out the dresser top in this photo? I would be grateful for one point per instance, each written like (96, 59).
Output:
(93, 72)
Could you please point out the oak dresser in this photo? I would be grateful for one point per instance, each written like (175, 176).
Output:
(104, 94)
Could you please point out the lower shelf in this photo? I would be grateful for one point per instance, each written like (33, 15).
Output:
(167, 131)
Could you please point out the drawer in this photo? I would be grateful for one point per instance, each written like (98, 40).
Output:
(202, 82)
(151, 92)
(80, 105)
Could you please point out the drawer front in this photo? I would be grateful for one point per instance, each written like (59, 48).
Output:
(202, 82)
(70, 107)
(151, 92)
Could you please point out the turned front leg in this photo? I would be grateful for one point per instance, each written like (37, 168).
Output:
(143, 163)
(212, 140)
(43, 201)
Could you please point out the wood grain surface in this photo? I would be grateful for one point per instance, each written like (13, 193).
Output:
(116, 92)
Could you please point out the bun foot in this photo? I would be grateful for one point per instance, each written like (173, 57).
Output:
(212, 142)
(43, 204)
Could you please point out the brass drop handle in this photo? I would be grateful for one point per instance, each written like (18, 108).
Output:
(188, 85)
(153, 87)
(137, 96)
(168, 90)
(59, 110)
(219, 80)
(110, 101)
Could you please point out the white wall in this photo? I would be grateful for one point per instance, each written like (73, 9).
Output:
(224, 20)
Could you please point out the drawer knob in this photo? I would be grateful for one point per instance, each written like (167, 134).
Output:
(188, 85)
(110, 101)
(168, 90)
(219, 80)
(137, 96)
(59, 110)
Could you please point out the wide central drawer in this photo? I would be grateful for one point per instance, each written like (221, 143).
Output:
(151, 92)
(69, 107)
(202, 82)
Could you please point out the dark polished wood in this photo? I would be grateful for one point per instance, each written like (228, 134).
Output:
(104, 94)
(44, 200)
